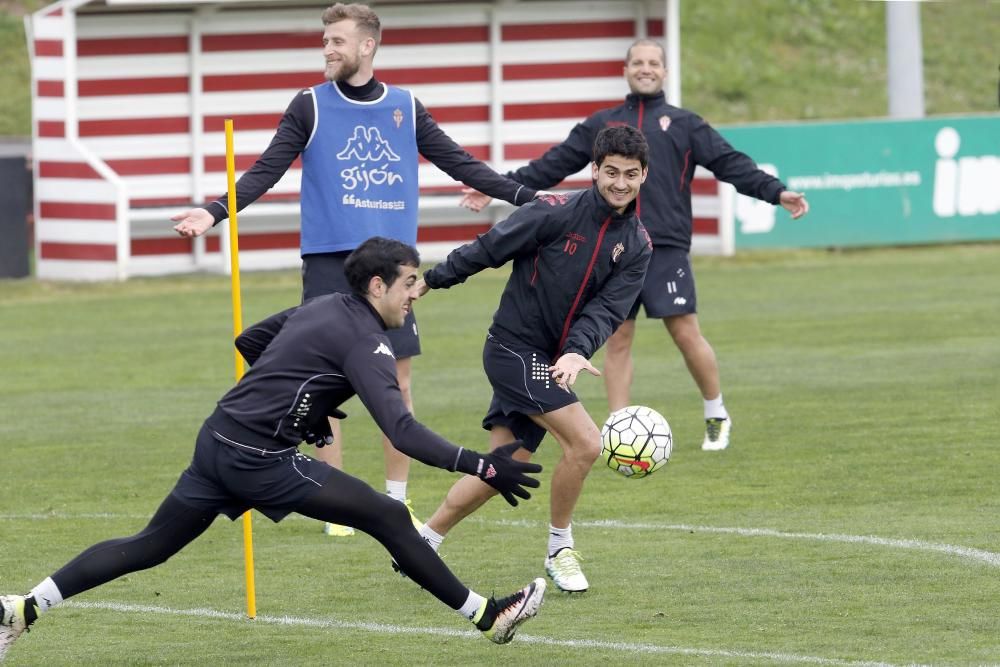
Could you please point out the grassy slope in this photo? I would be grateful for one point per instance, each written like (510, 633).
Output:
(744, 61)
(809, 59)
(15, 76)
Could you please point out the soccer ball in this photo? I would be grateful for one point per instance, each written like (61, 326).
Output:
(636, 441)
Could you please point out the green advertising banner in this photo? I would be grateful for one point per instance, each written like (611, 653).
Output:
(875, 182)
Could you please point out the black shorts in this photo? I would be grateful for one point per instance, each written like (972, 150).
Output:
(324, 274)
(230, 478)
(668, 288)
(522, 386)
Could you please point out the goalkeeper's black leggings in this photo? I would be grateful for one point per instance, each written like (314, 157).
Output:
(349, 501)
(343, 499)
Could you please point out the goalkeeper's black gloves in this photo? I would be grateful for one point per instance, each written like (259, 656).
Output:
(317, 439)
(500, 471)
(319, 433)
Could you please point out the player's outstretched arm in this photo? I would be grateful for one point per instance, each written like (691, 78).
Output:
(474, 200)
(193, 222)
(795, 203)
(372, 374)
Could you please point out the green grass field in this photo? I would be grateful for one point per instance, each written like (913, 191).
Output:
(854, 520)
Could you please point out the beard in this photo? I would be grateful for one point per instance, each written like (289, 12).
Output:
(345, 69)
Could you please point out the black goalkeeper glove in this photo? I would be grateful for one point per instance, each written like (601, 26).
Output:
(320, 434)
(317, 439)
(500, 471)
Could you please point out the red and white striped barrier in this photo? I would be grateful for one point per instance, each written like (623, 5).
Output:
(129, 108)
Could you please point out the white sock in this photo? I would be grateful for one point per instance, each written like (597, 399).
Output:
(46, 594)
(431, 537)
(396, 490)
(472, 605)
(714, 409)
(560, 538)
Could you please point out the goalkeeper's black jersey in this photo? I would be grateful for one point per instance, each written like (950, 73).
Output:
(307, 361)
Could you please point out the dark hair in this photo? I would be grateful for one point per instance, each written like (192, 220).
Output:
(647, 42)
(622, 140)
(380, 257)
(362, 15)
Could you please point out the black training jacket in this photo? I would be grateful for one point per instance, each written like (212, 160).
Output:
(305, 362)
(578, 268)
(678, 141)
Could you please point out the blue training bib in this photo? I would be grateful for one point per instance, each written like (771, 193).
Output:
(359, 171)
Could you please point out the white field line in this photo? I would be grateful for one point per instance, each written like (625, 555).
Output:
(990, 558)
(387, 629)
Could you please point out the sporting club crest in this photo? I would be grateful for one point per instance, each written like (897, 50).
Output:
(616, 253)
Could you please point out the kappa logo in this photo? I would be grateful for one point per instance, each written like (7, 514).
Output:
(367, 145)
(553, 199)
(680, 301)
(383, 349)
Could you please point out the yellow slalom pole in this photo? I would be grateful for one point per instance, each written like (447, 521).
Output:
(234, 265)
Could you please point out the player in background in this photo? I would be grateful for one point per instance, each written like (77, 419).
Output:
(578, 264)
(304, 363)
(679, 140)
(359, 140)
